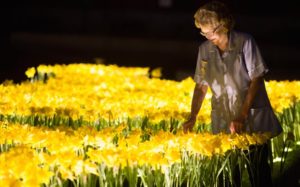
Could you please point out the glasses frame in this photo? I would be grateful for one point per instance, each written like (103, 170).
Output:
(210, 33)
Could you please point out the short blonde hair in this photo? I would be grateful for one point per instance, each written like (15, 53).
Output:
(214, 13)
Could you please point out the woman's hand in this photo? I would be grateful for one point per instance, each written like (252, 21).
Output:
(188, 125)
(237, 125)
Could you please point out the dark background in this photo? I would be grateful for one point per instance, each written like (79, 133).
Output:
(151, 33)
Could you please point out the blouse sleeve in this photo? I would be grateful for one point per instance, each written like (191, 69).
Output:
(254, 62)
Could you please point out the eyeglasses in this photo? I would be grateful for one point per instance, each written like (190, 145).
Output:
(208, 34)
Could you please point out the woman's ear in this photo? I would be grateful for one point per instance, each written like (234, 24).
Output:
(223, 30)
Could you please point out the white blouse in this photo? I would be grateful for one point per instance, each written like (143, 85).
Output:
(229, 76)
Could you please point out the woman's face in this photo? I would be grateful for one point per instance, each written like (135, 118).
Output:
(212, 33)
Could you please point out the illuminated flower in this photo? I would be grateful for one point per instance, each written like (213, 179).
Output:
(30, 72)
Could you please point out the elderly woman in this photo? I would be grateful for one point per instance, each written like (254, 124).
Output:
(230, 63)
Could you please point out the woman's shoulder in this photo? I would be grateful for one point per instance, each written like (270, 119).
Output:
(242, 39)
(205, 45)
(239, 35)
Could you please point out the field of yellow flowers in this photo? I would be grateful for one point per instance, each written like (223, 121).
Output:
(104, 125)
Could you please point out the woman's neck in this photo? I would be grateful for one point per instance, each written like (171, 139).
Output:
(223, 42)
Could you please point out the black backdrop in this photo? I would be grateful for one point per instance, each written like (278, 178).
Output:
(137, 33)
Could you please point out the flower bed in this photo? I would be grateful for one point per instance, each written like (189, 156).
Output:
(87, 125)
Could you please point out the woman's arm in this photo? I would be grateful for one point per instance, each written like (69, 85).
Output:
(200, 91)
(237, 125)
